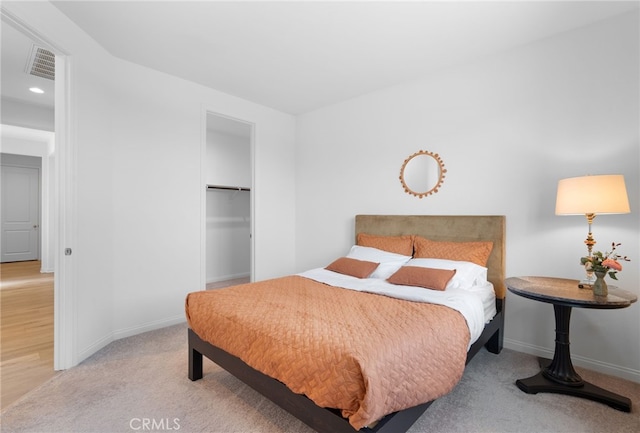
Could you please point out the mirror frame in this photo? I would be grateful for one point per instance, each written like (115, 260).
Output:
(441, 174)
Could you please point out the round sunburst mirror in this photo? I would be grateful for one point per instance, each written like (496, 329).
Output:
(422, 173)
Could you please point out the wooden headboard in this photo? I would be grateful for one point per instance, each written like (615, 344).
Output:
(458, 228)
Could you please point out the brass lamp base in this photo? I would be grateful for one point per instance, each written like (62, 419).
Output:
(587, 281)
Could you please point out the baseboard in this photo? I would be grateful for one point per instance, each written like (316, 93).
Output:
(149, 326)
(577, 360)
(127, 332)
(92, 349)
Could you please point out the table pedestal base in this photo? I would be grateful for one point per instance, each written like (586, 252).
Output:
(539, 383)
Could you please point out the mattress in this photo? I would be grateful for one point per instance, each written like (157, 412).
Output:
(476, 302)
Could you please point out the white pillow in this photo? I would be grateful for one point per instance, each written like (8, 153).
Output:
(467, 274)
(389, 262)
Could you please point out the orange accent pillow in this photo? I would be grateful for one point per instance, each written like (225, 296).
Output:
(474, 252)
(393, 244)
(354, 267)
(429, 278)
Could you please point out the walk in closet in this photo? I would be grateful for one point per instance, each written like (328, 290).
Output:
(228, 186)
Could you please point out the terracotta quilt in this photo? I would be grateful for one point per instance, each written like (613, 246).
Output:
(365, 354)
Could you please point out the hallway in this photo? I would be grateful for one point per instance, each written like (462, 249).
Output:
(26, 311)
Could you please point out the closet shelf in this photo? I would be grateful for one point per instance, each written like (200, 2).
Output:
(229, 188)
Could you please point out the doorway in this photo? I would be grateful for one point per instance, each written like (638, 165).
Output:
(57, 173)
(20, 208)
(228, 172)
(28, 202)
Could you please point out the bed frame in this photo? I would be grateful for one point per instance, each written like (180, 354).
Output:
(441, 228)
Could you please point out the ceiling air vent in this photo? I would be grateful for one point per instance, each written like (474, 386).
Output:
(42, 63)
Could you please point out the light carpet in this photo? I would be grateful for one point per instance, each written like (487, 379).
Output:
(140, 384)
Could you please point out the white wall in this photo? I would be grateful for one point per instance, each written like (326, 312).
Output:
(25, 115)
(228, 159)
(139, 191)
(508, 128)
(159, 194)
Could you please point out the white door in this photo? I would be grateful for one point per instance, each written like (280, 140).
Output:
(20, 234)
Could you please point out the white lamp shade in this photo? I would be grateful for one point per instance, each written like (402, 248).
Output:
(592, 195)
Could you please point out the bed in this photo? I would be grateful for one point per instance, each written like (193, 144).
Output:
(403, 379)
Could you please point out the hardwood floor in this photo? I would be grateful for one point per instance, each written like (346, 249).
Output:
(26, 327)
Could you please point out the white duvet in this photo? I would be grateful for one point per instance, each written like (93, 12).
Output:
(476, 304)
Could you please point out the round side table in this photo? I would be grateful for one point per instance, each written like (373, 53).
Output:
(559, 376)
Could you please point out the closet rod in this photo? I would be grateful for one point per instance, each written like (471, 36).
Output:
(230, 188)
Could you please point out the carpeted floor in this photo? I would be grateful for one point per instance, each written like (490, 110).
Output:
(140, 384)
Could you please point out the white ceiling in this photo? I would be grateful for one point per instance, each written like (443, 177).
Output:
(15, 83)
(300, 56)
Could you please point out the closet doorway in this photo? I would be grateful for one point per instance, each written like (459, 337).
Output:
(229, 181)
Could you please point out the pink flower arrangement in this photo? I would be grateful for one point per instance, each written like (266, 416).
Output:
(612, 264)
(605, 262)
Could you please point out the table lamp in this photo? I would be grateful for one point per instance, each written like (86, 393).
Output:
(591, 195)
